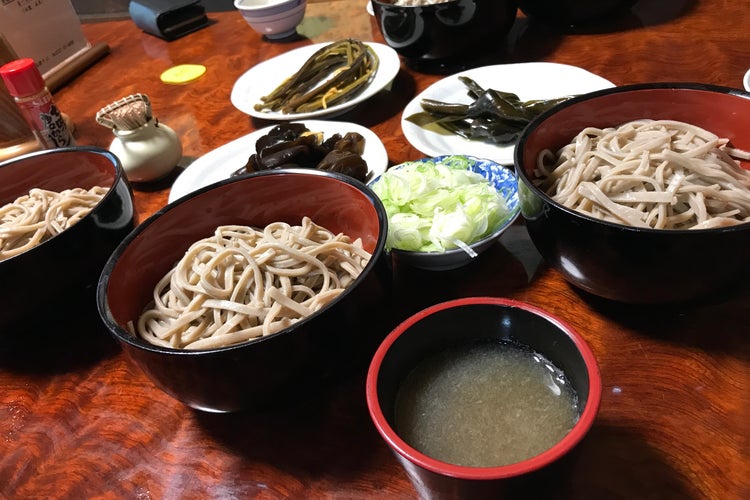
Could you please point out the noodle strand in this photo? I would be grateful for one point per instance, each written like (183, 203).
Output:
(242, 283)
(660, 174)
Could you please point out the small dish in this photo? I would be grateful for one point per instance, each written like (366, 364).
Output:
(219, 164)
(503, 179)
(263, 78)
(528, 80)
(275, 20)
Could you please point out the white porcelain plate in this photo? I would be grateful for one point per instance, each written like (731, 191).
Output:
(263, 78)
(219, 164)
(746, 81)
(527, 80)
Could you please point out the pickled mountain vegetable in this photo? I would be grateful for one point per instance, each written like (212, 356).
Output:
(293, 145)
(494, 116)
(333, 75)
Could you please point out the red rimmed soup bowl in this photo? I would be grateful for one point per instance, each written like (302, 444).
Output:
(454, 327)
(622, 262)
(277, 367)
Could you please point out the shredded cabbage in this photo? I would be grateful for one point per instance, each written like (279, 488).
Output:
(435, 206)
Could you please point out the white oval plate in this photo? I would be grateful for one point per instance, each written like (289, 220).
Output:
(746, 81)
(263, 78)
(219, 164)
(527, 80)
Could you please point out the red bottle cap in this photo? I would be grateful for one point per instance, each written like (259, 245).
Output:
(22, 77)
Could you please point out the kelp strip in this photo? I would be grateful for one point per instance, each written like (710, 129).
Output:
(494, 116)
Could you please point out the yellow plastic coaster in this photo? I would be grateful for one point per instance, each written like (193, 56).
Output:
(183, 73)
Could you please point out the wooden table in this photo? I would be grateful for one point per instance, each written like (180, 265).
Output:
(675, 414)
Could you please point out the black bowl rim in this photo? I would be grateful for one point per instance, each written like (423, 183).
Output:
(123, 335)
(536, 122)
(119, 176)
(539, 461)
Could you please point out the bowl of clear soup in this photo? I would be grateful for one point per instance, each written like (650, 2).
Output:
(482, 397)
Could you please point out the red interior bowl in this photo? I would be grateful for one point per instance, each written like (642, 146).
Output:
(725, 112)
(248, 374)
(618, 262)
(59, 276)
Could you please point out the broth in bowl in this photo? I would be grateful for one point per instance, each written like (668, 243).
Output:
(439, 392)
(485, 405)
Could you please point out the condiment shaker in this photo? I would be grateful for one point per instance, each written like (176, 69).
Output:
(27, 87)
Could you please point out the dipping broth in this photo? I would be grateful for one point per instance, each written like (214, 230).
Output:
(485, 405)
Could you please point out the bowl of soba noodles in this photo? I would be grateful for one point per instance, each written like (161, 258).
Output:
(62, 213)
(484, 398)
(251, 291)
(641, 193)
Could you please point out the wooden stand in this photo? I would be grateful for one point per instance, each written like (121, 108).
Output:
(30, 145)
(9, 152)
(76, 66)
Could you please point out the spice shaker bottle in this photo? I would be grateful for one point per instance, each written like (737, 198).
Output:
(26, 84)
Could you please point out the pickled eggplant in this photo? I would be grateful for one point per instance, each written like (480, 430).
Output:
(493, 116)
(293, 145)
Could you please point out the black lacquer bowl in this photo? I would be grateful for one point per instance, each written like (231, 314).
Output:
(447, 33)
(271, 369)
(628, 264)
(52, 286)
(561, 12)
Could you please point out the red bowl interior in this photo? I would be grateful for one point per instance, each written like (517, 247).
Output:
(444, 469)
(55, 170)
(257, 200)
(725, 112)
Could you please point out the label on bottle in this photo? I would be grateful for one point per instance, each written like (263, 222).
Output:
(47, 122)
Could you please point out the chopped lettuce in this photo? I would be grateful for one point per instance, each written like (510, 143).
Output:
(435, 206)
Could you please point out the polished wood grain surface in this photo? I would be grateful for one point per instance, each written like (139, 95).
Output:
(77, 420)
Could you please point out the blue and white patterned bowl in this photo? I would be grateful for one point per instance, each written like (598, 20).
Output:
(504, 180)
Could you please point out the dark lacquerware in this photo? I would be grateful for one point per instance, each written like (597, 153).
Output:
(51, 287)
(459, 323)
(624, 263)
(259, 372)
(574, 11)
(447, 33)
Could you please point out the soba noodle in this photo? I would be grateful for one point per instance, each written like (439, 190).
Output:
(42, 214)
(657, 174)
(242, 283)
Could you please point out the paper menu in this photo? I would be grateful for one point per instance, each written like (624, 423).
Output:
(47, 31)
